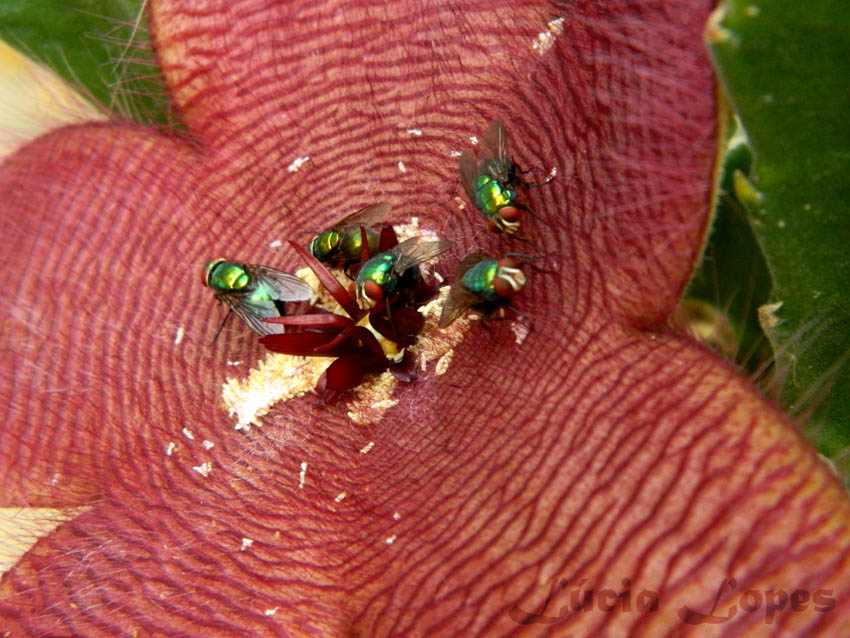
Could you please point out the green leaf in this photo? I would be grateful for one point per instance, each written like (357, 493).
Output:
(785, 67)
(733, 280)
(100, 47)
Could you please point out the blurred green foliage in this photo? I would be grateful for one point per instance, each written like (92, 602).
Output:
(785, 68)
(101, 47)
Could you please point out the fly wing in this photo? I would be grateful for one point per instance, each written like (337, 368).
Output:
(468, 262)
(494, 145)
(252, 312)
(460, 299)
(283, 286)
(458, 302)
(367, 217)
(468, 174)
(413, 252)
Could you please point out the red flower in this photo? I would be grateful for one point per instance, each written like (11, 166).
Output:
(604, 448)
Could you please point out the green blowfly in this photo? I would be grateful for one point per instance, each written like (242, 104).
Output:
(340, 244)
(483, 282)
(396, 269)
(491, 181)
(253, 292)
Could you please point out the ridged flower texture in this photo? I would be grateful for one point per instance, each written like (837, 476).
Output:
(607, 463)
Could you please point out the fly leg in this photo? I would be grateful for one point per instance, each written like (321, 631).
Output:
(221, 327)
(530, 259)
(525, 208)
(531, 184)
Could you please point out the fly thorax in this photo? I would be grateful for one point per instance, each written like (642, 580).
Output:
(351, 242)
(324, 245)
(479, 279)
(492, 195)
(229, 276)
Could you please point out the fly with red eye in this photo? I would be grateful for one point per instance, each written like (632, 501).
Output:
(491, 181)
(486, 284)
(392, 315)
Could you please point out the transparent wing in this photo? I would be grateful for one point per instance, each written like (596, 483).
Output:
(458, 302)
(468, 262)
(413, 252)
(367, 217)
(494, 145)
(284, 287)
(252, 312)
(460, 299)
(468, 174)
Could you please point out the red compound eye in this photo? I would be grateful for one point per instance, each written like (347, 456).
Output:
(373, 291)
(502, 287)
(510, 213)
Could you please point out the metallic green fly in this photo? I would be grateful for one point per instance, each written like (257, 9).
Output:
(253, 292)
(491, 181)
(340, 244)
(485, 283)
(396, 269)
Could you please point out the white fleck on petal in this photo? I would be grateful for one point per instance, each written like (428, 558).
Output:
(297, 163)
(545, 39)
(339, 497)
(302, 474)
(367, 448)
(455, 153)
(473, 139)
(246, 543)
(391, 539)
(170, 449)
(520, 331)
(271, 612)
(203, 469)
(208, 445)
(276, 244)
(179, 336)
(444, 362)
(396, 515)
(402, 167)
(415, 131)
(543, 43)
(276, 378)
(234, 363)
(188, 434)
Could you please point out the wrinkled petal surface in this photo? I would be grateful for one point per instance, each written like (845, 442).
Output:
(603, 448)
